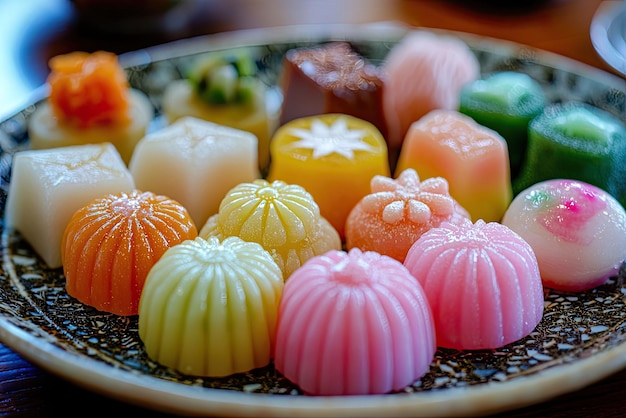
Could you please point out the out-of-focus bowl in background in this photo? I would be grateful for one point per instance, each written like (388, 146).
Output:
(608, 34)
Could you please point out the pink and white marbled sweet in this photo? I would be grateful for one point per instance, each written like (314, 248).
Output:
(353, 323)
(482, 282)
(577, 230)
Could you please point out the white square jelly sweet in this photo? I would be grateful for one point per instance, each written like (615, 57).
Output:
(49, 185)
(195, 162)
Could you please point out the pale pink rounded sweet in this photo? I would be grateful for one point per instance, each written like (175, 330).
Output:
(424, 71)
(577, 230)
(482, 282)
(398, 211)
(353, 323)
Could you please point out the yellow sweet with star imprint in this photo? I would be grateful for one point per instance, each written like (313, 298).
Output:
(333, 156)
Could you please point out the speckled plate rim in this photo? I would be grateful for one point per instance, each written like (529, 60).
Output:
(152, 392)
(165, 396)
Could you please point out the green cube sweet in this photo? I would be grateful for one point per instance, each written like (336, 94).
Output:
(576, 141)
(506, 102)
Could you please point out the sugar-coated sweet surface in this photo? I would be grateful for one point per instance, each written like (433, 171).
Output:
(333, 156)
(424, 71)
(283, 218)
(49, 185)
(577, 230)
(397, 212)
(353, 323)
(209, 308)
(482, 282)
(111, 243)
(472, 158)
(195, 162)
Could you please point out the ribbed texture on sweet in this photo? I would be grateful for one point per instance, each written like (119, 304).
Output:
(353, 323)
(482, 282)
(283, 218)
(209, 308)
(110, 244)
(424, 71)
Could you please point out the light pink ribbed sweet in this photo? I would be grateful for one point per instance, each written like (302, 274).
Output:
(353, 323)
(482, 282)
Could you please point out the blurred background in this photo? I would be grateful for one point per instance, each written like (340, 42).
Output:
(32, 31)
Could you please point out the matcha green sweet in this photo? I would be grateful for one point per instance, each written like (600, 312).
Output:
(576, 141)
(506, 102)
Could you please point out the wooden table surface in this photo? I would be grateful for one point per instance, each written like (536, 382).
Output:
(31, 31)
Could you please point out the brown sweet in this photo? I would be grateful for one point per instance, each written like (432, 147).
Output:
(333, 78)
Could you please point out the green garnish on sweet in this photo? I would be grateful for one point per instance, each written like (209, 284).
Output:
(226, 78)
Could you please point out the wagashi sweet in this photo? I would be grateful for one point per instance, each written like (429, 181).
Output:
(482, 282)
(578, 141)
(423, 72)
(111, 243)
(331, 78)
(506, 102)
(209, 307)
(90, 102)
(353, 323)
(284, 218)
(472, 158)
(398, 211)
(333, 156)
(577, 230)
(222, 88)
(195, 162)
(48, 185)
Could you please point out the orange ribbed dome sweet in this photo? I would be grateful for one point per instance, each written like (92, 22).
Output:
(110, 245)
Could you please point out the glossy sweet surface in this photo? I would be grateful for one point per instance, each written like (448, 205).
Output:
(353, 323)
(209, 308)
(334, 157)
(577, 230)
(472, 158)
(111, 243)
(283, 218)
(577, 141)
(482, 282)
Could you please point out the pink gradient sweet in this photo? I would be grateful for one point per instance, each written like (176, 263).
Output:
(577, 230)
(353, 323)
(398, 211)
(482, 282)
(424, 71)
(472, 158)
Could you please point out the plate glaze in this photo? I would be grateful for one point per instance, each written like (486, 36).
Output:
(579, 340)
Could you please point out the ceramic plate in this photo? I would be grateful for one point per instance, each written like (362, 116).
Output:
(608, 34)
(580, 339)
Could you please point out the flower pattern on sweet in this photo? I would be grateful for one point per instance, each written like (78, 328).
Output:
(407, 197)
(334, 139)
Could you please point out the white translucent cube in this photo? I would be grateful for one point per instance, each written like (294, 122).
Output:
(48, 186)
(195, 162)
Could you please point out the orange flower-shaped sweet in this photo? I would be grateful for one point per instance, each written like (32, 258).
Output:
(110, 245)
(398, 211)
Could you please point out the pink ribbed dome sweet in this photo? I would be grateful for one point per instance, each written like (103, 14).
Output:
(482, 282)
(353, 323)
